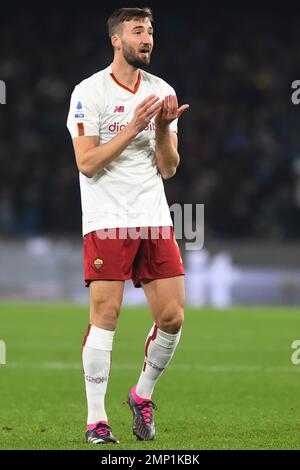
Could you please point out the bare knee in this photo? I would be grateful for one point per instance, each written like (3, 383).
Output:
(104, 313)
(171, 318)
(105, 303)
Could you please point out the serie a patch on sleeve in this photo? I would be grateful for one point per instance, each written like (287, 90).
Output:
(80, 129)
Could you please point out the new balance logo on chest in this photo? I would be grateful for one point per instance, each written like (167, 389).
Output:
(119, 109)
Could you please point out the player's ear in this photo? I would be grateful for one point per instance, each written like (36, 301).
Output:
(116, 41)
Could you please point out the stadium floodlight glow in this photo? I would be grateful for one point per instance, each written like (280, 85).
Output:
(2, 92)
(2, 352)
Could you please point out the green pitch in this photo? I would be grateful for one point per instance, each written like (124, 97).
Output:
(231, 384)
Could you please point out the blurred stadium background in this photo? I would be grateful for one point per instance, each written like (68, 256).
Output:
(240, 147)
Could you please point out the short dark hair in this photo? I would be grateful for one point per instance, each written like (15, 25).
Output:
(126, 14)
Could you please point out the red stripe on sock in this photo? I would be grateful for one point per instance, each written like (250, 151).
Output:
(86, 335)
(149, 339)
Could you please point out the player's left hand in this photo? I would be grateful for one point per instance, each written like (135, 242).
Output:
(169, 111)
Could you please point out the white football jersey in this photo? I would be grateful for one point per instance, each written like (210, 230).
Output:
(128, 192)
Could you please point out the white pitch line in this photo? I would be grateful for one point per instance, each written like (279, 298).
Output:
(176, 368)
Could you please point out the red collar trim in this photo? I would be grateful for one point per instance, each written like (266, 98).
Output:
(136, 86)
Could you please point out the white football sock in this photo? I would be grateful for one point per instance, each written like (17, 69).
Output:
(96, 360)
(160, 347)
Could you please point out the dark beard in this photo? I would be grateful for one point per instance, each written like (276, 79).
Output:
(132, 59)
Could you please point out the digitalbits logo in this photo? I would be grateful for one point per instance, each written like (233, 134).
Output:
(2, 353)
(2, 92)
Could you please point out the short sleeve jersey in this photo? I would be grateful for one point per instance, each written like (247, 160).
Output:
(128, 192)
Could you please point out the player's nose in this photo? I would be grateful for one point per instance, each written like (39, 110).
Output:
(147, 45)
(147, 40)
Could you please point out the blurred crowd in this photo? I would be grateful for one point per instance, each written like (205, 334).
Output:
(239, 142)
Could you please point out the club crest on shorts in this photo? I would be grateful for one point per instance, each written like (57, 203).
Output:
(98, 262)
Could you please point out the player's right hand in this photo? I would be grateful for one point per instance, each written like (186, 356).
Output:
(144, 112)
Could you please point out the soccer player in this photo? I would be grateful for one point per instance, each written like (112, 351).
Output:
(123, 122)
